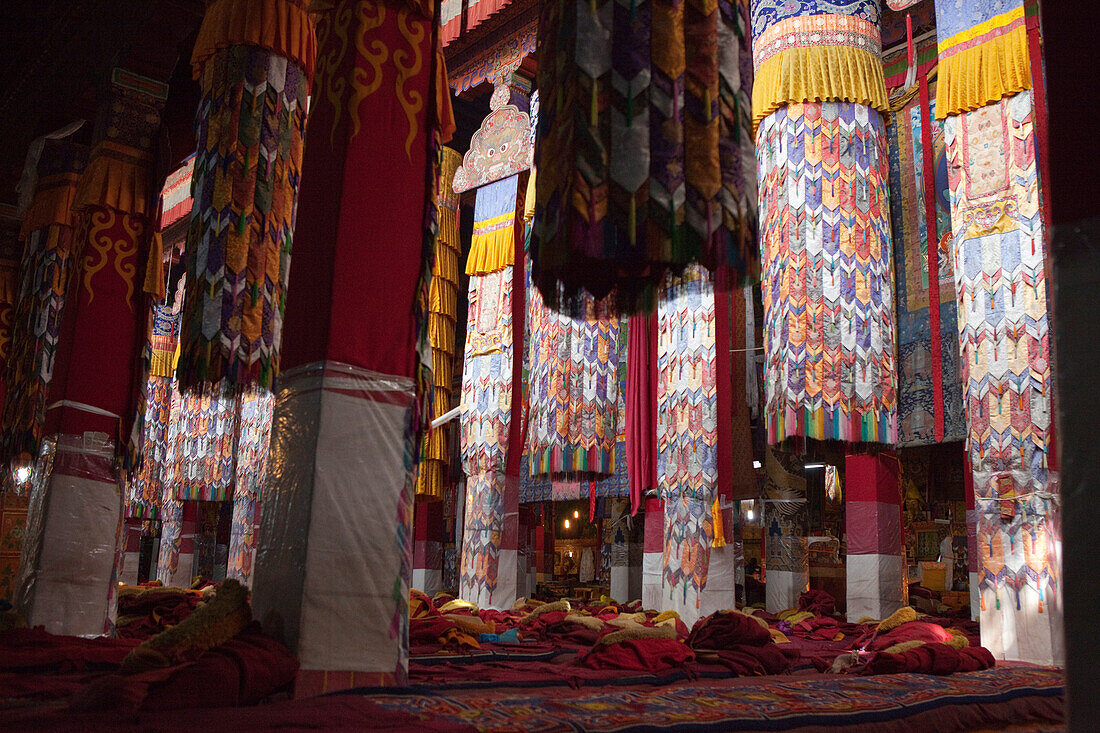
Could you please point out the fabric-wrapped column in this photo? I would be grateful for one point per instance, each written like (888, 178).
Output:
(99, 340)
(687, 436)
(1005, 346)
(872, 516)
(824, 222)
(486, 418)
(1004, 323)
(427, 573)
(336, 516)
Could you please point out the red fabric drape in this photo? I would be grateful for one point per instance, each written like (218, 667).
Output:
(641, 408)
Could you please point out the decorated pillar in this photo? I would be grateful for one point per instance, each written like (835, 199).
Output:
(347, 415)
(824, 222)
(427, 569)
(69, 569)
(493, 361)
(13, 506)
(654, 593)
(785, 542)
(250, 450)
(687, 440)
(872, 523)
(1005, 351)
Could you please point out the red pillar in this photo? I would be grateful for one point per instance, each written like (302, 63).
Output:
(72, 570)
(872, 519)
(346, 418)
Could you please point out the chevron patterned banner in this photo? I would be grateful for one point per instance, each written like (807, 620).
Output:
(250, 130)
(486, 419)
(202, 434)
(687, 427)
(640, 157)
(907, 209)
(48, 232)
(828, 281)
(1004, 339)
(573, 415)
(154, 418)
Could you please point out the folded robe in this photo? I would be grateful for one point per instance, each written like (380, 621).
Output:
(934, 658)
(644, 655)
(727, 630)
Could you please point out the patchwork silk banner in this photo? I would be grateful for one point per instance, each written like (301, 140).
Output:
(203, 432)
(559, 487)
(155, 418)
(687, 427)
(442, 315)
(983, 52)
(486, 420)
(827, 289)
(47, 232)
(1004, 336)
(254, 61)
(916, 408)
(574, 396)
(643, 129)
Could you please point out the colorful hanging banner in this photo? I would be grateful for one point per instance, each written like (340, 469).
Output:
(1004, 335)
(254, 61)
(687, 427)
(641, 148)
(916, 366)
(828, 281)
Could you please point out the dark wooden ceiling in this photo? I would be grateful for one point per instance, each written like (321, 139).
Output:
(56, 60)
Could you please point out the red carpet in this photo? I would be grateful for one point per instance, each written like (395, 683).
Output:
(1024, 697)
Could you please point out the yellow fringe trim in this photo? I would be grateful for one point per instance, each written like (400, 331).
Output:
(282, 26)
(492, 251)
(818, 74)
(982, 75)
(154, 267)
(529, 198)
(719, 529)
(163, 362)
(117, 177)
(52, 204)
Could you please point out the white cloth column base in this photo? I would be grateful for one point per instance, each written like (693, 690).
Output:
(1024, 634)
(975, 598)
(783, 588)
(875, 586)
(129, 574)
(719, 593)
(336, 529)
(620, 583)
(429, 580)
(653, 593)
(68, 590)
